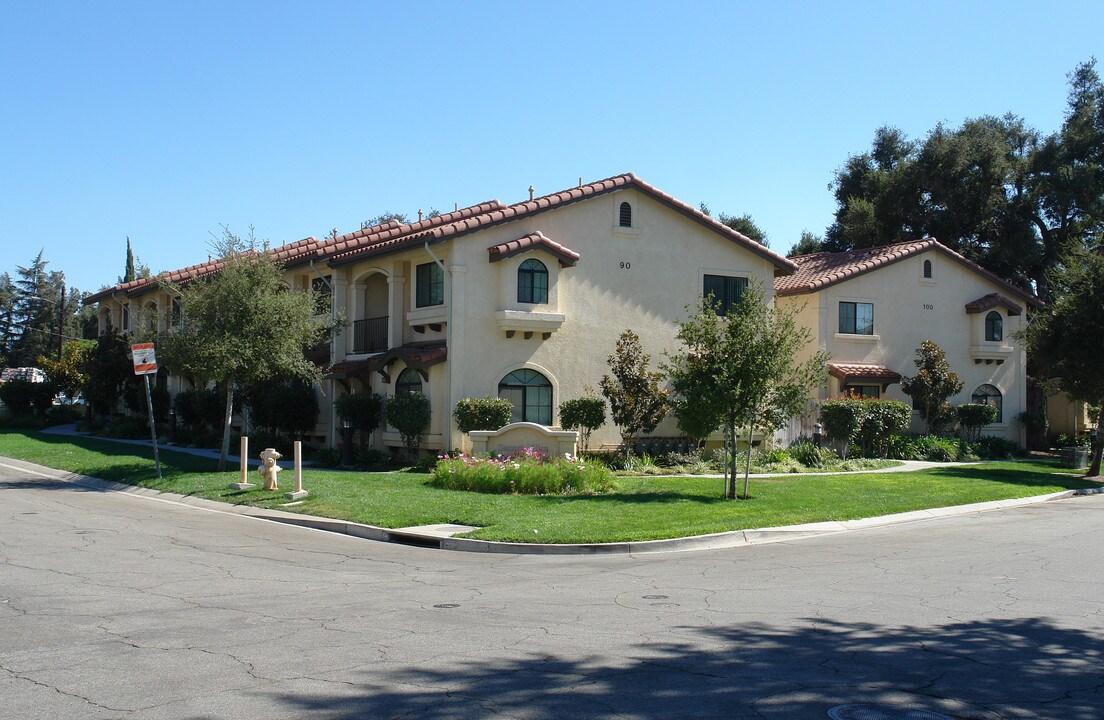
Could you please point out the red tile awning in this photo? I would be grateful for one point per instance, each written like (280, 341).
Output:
(854, 372)
(992, 300)
(417, 357)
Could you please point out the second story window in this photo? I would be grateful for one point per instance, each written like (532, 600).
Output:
(532, 282)
(126, 318)
(323, 294)
(725, 291)
(430, 285)
(994, 326)
(856, 318)
(927, 270)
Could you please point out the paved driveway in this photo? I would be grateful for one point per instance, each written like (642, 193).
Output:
(114, 606)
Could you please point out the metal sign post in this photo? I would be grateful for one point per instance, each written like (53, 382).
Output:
(145, 364)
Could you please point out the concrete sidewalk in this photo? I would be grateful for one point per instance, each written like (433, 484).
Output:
(440, 536)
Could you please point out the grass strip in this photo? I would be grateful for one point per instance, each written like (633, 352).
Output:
(643, 508)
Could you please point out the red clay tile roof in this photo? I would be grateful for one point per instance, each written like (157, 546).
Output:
(991, 301)
(820, 270)
(392, 241)
(416, 355)
(862, 371)
(393, 235)
(529, 242)
(291, 254)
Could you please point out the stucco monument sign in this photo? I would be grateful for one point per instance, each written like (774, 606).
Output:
(516, 436)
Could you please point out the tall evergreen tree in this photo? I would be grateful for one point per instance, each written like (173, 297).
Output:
(129, 273)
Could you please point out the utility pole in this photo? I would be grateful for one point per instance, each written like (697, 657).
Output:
(61, 321)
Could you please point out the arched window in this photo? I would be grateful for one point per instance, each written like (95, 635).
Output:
(625, 215)
(126, 318)
(409, 382)
(994, 326)
(149, 313)
(927, 269)
(531, 395)
(532, 282)
(988, 395)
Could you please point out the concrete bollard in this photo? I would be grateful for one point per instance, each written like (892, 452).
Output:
(244, 483)
(299, 492)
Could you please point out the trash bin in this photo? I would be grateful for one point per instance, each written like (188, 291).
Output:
(1076, 457)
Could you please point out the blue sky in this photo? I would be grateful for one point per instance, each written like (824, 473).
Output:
(163, 121)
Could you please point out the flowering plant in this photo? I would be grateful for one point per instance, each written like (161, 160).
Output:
(527, 471)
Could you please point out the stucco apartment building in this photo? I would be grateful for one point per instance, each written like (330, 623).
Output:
(524, 301)
(872, 308)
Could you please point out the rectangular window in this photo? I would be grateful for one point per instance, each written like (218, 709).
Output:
(725, 290)
(863, 391)
(322, 295)
(430, 284)
(856, 318)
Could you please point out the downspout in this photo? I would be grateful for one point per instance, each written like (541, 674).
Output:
(448, 350)
(333, 319)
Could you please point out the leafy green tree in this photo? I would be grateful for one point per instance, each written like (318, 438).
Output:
(741, 370)
(242, 325)
(994, 189)
(1066, 340)
(37, 312)
(932, 385)
(637, 403)
(585, 414)
(807, 245)
(972, 417)
(108, 369)
(743, 224)
(67, 374)
(487, 413)
(409, 414)
(363, 410)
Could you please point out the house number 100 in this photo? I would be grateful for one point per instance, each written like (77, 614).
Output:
(625, 265)
(929, 307)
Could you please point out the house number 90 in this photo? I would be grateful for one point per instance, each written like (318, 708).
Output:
(625, 265)
(929, 307)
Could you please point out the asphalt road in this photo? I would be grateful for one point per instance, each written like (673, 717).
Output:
(115, 606)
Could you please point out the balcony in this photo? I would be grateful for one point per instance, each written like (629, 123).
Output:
(370, 335)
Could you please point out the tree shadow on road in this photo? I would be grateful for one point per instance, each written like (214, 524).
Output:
(1029, 668)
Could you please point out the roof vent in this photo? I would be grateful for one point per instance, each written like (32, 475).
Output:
(419, 214)
(530, 192)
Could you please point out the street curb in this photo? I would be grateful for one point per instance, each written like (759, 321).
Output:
(714, 541)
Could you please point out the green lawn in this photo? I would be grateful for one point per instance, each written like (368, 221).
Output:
(644, 508)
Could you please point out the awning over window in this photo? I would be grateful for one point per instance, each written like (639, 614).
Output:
(415, 356)
(992, 300)
(859, 372)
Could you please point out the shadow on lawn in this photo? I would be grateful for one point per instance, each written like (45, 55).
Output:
(984, 669)
(1026, 476)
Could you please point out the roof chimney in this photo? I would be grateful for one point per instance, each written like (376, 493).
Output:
(530, 192)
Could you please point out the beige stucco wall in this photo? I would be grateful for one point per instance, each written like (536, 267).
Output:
(909, 309)
(641, 278)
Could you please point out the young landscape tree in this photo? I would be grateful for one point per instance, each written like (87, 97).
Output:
(242, 325)
(932, 385)
(1066, 340)
(741, 370)
(637, 402)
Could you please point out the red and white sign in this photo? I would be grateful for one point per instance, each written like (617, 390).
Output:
(145, 362)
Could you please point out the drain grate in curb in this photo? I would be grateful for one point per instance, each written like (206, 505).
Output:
(864, 711)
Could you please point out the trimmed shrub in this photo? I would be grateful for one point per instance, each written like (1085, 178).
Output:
(988, 447)
(363, 410)
(842, 419)
(973, 417)
(409, 415)
(811, 456)
(585, 414)
(526, 472)
(882, 420)
(200, 408)
(486, 413)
